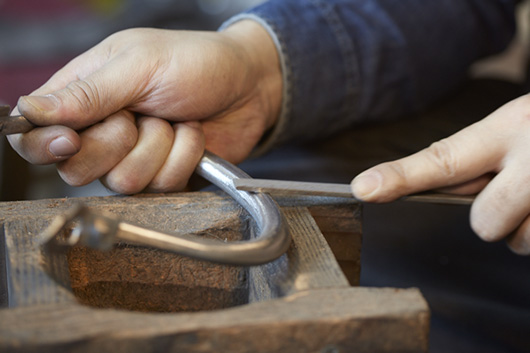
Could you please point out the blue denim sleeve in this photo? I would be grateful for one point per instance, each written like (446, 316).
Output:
(345, 62)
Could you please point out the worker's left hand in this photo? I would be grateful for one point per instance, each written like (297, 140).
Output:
(490, 157)
(138, 109)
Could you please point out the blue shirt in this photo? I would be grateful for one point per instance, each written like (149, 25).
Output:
(344, 62)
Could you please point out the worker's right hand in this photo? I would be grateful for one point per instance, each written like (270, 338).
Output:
(138, 109)
(490, 158)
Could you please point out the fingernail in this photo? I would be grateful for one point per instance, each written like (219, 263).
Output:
(62, 147)
(42, 103)
(366, 184)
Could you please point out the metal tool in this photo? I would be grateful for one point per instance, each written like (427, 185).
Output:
(13, 124)
(336, 190)
(102, 231)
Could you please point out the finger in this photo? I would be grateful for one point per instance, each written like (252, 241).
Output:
(519, 241)
(86, 100)
(46, 145)
(103, 146)
(469, 187)
(464, 156)
(142, 163)
(503, 205)
(187, 150)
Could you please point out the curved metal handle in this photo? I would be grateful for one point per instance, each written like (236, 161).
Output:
(273, 238)
(271, 242)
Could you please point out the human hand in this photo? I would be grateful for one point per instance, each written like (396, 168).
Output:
(490, 157)
(138, 109)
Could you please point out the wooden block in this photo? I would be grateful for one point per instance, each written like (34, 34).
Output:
(107, 279)
(27, 283)
(308, 264)
(341, 225)
(340, 221)
(151, 280)
(301, 302)
(354, 319)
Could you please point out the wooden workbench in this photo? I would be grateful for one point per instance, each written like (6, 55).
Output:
(138, 299)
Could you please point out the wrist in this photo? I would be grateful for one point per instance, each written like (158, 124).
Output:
(264, 59)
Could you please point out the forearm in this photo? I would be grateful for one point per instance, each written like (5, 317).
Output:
(345, 62)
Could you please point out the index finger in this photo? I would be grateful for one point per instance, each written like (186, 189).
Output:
(464, 156)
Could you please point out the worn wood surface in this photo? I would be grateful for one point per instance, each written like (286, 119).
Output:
(301, 302)
(329, 320)
(342, 227)
(308, 264)
(110, 278)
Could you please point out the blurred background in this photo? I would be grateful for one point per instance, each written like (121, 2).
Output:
(37, 37)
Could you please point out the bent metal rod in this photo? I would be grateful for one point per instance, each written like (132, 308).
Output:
(101, 231)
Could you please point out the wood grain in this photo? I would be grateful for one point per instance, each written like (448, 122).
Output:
(330, 320)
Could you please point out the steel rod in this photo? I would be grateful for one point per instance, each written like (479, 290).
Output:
(337, 190)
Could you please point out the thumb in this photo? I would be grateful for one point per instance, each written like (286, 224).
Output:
(82, 102)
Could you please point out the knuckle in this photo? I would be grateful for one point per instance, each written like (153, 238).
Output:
(197, 140)
(129, 140)
(442, 154)
(124, 185)
(125, 129)
(74, 175)
(86, 94)
(398, 172)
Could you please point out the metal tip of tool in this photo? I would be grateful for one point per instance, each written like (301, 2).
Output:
(13, 124)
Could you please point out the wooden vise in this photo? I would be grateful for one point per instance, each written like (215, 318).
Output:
(141, 299)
